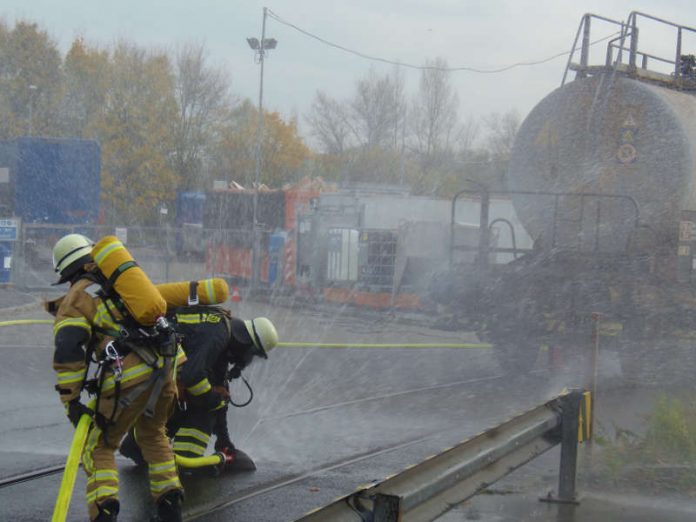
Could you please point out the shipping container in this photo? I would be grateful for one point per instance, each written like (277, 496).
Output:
(50, 180)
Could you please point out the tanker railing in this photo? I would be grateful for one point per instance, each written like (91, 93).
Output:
(424, 491)
(683, 67)
(484, 247)
(584, 28)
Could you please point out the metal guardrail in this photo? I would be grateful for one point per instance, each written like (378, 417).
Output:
(426, 490)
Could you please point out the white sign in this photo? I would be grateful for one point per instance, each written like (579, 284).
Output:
(122, 234)
(8, 229)
(4, 175)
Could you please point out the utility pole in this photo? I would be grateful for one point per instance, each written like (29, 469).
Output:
(32, 90)
(260, 47)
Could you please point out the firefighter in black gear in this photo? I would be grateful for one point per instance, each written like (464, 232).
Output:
(218, 348)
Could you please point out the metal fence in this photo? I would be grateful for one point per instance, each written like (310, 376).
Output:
(165, 253)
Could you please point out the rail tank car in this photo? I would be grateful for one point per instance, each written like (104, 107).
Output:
(606, 135)
(603, 176)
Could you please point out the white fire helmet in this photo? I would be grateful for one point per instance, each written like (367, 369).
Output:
(67, 250)
(263, 334)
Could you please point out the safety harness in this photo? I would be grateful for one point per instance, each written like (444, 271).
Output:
(156, 346)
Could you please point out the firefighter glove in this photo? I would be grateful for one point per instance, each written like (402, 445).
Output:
(75, 410)
(216, 401)
(235, 372)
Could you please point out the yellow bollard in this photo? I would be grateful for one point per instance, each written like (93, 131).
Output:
(67, 484)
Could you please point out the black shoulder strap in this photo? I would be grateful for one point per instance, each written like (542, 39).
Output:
(111, 281)
(193, 293)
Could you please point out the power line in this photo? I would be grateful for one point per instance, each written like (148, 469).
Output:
(278, 19)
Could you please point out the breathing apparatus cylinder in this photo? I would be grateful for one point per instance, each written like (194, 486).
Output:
(206, 292)
(138, 293)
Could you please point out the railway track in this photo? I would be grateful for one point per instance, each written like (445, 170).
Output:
(30, 475)
(201, 512)
(52, 470)
(19, 482)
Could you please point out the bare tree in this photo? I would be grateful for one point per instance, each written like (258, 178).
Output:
(329, 123)
(434, 111)
(501, 130)
(202, 95)
(468, 132)
(375, 110)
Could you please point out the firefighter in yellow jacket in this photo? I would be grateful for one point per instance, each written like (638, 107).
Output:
(132, 388)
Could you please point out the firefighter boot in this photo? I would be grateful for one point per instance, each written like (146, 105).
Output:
(108, 511)
(235, 460)
(240, 462)
(129, 448)
(169, 507)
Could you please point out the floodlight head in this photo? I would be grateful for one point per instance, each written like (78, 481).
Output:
(270, 43)
(253, 43)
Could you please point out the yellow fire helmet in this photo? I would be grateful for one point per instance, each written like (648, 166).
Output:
(67, 251)
(263, 334)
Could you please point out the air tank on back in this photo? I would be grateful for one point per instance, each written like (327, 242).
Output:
(608, 134)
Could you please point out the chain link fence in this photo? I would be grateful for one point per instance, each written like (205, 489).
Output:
(165, 253)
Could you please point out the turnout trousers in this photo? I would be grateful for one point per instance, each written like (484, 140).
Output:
(191, 430)
(99, 461)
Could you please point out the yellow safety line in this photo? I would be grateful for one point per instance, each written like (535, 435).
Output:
(26, 321)
(383, 345)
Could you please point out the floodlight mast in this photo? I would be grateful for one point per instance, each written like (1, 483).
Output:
(260, 47)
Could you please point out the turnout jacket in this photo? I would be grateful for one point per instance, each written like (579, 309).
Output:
(205, 336)
(84, 319)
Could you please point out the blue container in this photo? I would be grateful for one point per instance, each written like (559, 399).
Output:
(276, 245)
(189, 208)
(5, 261)
(50, 180)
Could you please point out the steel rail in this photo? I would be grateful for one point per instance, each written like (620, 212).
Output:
(293, 479)
(31, 475)
(435, 387)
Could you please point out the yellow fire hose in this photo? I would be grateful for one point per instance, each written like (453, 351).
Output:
(17, 322)
(67, 484)
(200, 462)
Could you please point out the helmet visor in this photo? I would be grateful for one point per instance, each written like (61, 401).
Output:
(241, 334)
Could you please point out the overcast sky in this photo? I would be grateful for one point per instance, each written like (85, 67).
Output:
(485, 34)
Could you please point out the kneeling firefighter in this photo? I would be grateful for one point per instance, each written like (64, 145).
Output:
(218, 347)
(110, 316)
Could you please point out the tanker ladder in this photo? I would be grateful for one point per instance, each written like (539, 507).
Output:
(424, 491)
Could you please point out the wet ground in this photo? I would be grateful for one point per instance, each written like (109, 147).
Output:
(324, 421)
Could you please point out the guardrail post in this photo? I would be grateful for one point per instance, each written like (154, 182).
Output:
(570, 405)
(386, 508)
